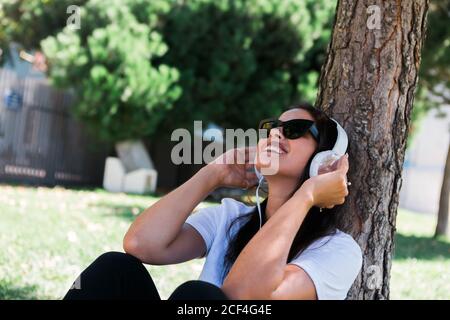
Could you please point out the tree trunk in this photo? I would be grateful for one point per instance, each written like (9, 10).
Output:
(442, 221)
(367, 83)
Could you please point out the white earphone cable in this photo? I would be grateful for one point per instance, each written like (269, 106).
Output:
(257, 202)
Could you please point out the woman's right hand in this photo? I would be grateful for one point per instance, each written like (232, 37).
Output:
(328, 189)
(234, 168)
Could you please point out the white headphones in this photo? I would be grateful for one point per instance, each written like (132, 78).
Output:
(321, 158)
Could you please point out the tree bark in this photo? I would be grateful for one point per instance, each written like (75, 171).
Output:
(442, 221)
(368, 83)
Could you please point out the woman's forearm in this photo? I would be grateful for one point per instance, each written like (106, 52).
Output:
(259, 269)
(158, 225)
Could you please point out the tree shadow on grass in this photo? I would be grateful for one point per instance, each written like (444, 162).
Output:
(421, 248)
(11, 291)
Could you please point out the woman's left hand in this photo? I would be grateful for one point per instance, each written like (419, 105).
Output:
(328, 189)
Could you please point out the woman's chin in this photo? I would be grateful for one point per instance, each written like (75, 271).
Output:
(268, 168)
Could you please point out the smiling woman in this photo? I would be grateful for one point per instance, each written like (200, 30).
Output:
(297, 254)
(316, 244)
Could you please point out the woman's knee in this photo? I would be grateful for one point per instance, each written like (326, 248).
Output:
(117, 260)
(117, 257)
(198, 290)
(115, 275)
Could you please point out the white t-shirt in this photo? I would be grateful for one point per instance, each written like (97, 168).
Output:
(332, 262)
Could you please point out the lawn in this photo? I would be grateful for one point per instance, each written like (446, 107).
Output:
(49, 235)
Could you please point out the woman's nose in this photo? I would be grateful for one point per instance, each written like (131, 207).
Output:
(276, 133)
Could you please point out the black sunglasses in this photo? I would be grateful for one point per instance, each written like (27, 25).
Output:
(292, 129)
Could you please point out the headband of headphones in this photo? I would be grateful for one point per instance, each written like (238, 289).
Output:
(341, 141)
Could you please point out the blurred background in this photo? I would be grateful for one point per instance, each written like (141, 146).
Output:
(91, 90)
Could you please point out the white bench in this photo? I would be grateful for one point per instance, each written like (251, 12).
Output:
(133, 172)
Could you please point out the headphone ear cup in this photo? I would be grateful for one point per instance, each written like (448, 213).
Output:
(314, 167)
(320, 159)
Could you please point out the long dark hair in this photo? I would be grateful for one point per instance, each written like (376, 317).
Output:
(315, 225)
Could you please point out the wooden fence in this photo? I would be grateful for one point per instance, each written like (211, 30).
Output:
(40, 142)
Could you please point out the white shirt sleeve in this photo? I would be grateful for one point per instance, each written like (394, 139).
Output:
(207, 221)
(212, 222)
(332, 264)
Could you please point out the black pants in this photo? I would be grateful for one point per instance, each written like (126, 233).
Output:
(116, 275)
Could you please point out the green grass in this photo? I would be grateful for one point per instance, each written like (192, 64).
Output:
(421, 267)
(49, 235)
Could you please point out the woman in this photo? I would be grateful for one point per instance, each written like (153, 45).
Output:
(297, 254)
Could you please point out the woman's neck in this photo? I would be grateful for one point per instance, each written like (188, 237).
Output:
(279, 193)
